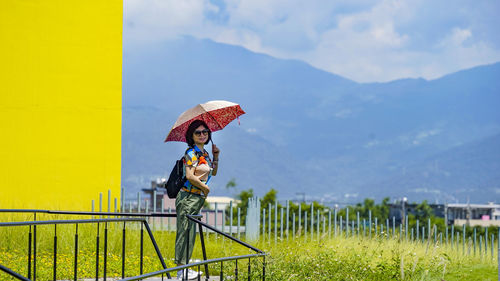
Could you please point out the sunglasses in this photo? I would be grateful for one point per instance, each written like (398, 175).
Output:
(198, 133)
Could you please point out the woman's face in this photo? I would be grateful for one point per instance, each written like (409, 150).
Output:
(200, 135)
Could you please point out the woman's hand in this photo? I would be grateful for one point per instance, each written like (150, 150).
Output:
(215, 151)
(206, 191)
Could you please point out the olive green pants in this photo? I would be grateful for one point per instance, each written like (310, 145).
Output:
(186, 204)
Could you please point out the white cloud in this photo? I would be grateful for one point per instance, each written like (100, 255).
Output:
(360, 39)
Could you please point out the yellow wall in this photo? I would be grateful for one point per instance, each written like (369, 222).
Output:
(60, 102)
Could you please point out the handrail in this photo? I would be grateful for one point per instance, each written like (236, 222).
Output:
(13, 273)
(194, 218)
(76, 222)
(154, 214)
(191, 217)
(16, 223)
(159, 272)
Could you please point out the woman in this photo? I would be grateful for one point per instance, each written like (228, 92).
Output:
(198, 170)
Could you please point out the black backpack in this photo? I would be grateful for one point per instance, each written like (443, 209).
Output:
(176, 179)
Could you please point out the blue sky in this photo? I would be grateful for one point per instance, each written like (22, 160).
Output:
(366, 41)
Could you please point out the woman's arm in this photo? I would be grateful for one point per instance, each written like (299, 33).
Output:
(196, 181)
(215, 162)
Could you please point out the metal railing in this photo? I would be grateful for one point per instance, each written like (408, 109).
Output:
(32, 244)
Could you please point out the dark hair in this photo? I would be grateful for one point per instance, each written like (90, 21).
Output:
(190, 131)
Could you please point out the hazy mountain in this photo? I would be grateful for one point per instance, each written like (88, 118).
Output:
(310, 131)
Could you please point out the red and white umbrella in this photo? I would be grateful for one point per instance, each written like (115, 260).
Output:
(217, 114)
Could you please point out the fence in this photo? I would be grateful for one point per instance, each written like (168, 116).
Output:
(31, 273)
(314, 224)
(280, 223)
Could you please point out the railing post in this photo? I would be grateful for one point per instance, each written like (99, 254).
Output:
(475, 241)
(417, 229)
(169, 228)
(406, 228)
(138, 202)
(364, 228)
(276, 222)
(263, 224)
(357, 222)
(300, 216)
(317, 224)
(452, 235)
(486, 242)
(312, 221)
(305, 226)
(231, 218)
(123, 250)
(329, 223)
(347, 222)
(324, 225)
(122, 200)
(203, 249)
(215, 220)
(264, 269)
(446, 229)
(223, 220)
(249, 269)
(463, 239)
(340, 226)
(141, 262)
(55, 252)
(239, 222)
(281, 224)
(162, 202)
(29, 254)
(236, 270)
(75, 268)
(429, 227)
(287, 217)
(388, 229)
(34, 248)
(268, 223)
(370, 223)
(100, 204)
(393, 227)
(109, 201)
(335, 222)
(97, 255)
(105, 266)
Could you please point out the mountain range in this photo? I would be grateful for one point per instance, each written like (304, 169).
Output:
(307, 132)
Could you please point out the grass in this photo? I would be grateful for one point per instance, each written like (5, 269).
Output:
(326, 258)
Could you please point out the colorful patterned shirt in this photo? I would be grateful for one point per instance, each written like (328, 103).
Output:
(201, 162)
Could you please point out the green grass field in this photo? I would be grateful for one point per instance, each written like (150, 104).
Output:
(322, 259)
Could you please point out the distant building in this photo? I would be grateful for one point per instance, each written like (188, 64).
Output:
(454, 213)
(396, 210)
(222, 202)
(473, 214)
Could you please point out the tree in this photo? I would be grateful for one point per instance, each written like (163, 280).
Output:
(243, 196)
(231, 183)
(270, 197)
(423, 211)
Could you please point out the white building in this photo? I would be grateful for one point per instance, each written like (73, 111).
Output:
(222, 202)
